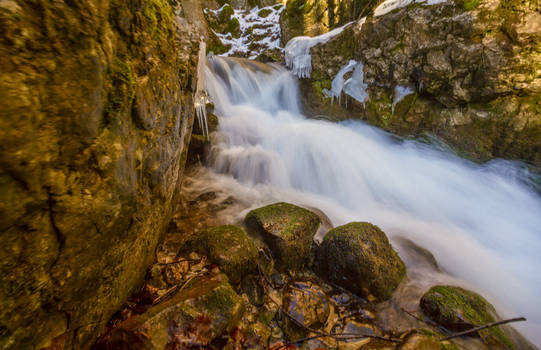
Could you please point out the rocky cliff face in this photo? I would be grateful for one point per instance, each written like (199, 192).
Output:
(96, 112)
(474, 68)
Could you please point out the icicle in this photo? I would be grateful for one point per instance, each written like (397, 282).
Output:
(399, 93)
(200, 98)
(354, 86)
(297, 51)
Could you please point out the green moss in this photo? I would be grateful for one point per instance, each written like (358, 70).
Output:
(122, 90)
(380, 110)
(233, 27)
(160, 15)
(264, 12)
(288, 230)
(226, 13)
(455, 307)
(221, 298)
(469, 5)
(287, 216)
(227, 246)
(359, 257)
(223, 2)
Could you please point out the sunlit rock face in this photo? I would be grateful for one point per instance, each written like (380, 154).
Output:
(96, 116)
(473, 67)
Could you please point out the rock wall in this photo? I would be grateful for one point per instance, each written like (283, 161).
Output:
(475, 67)
(96, 114)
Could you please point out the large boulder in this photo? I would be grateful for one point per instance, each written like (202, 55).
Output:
(359, 257)
(227, 246)
(459, 309)
(288, 230)
(472, 68)
(96, 114)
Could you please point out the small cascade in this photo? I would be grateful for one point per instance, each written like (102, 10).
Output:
(201, 98)
(475, 219)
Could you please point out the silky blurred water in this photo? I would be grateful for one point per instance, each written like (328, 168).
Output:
(482, 222)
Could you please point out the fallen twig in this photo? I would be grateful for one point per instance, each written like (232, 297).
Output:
(338, 336)
(430, 323)
(493, 324)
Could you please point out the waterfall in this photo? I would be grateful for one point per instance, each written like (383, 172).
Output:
(482, 222)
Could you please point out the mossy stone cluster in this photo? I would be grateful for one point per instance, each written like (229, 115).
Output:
(459, 309)
(359, 257)
(288, 230)
(227, 246)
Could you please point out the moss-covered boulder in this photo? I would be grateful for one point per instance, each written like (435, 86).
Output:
(227, 246)
(359, 257)
(288, 230)
(305, 304)
(459, 309)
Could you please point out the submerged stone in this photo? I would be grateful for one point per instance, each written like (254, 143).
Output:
(359, 257)
(308, 305)
(288, 230)
(227, 246)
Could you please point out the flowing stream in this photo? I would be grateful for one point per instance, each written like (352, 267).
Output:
(481, 222)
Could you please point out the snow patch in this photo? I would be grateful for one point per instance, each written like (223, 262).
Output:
(390, 5)
(253, 26)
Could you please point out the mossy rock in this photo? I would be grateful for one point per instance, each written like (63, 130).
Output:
(233, 27)
(288, 230)
(264, 12)
(226, 13)
(458, 309)
(227, 246)
(359, 257)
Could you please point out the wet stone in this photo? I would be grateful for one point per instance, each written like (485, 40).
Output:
(308, 305)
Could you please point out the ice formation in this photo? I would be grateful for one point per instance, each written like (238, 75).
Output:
(354, 86)
(200, 98)
(390, 5)
(400, 92)
(298, 57)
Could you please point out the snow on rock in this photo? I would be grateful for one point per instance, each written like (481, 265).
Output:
(390, 5)
(258, 34)
(354, 86)
(297, 51)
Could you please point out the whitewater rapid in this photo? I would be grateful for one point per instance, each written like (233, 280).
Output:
(482, 222)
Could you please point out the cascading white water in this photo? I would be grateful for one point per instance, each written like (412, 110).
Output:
(482, 222)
